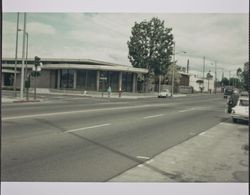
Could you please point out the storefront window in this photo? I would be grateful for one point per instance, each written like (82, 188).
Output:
(127, 82)
(67, 78)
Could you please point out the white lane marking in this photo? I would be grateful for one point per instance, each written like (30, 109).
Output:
(189, 109)
(150, 161)
(143, 157)
(204, 134)
(153, 116)
(140, 165)
(84, 128)
(84, 111)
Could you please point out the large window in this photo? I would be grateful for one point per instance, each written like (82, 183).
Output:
(127, 82)
(109, 78)
(86, 80)
(67, 79)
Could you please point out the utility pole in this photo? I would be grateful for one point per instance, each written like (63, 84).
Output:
(204, 61)
(23, 56)
(26, 68)
(172, 91)
(17, 27)
(229, 77)
(187, 65)
(215, 77)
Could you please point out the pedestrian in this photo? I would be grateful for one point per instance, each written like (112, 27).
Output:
(109, 91)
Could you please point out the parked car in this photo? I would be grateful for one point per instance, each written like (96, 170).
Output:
(164, 93)
(244, 94)
(241, 110)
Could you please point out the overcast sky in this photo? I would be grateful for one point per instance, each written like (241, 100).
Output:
(219, 37)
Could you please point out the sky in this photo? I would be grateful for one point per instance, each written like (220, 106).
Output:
(221, 38)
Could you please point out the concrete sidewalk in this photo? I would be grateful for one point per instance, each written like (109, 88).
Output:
(219, 154)
(9, 99)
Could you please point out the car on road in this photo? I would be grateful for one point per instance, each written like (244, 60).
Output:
(241, 110)
(228, 92)
(244, 94)
(164, 93)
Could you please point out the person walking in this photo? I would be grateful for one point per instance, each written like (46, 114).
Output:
(109, 91)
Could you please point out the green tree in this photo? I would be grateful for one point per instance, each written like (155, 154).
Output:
(246, 80)
(151, 46)
(224, 81)
(177, 75)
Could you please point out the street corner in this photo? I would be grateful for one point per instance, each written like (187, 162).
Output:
(219, 154)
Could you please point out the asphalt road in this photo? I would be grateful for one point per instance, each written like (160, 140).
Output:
(94, 139)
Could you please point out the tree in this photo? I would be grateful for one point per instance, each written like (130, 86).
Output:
(177, 75)
(151, 46)
(246, 80)
(239, 72)
(224, 81)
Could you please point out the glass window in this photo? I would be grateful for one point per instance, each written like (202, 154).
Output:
(244, 102)
(67, 78)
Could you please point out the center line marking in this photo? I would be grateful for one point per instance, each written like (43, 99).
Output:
(91, 127)
(143, 157)
(153, 116)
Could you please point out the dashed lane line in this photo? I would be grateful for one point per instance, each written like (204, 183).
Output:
(153, 116)
(84, 128)
(84, 111)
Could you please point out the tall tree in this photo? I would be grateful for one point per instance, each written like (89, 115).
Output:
(151, 46)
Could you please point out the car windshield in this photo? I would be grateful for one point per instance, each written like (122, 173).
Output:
(244, 102)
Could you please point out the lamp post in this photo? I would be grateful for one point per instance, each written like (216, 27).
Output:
(27, 47)
(17, 28)
(203, 70)
(215, 76)
(26, 67)
(174, 64)
(172, 91)
(23, 53)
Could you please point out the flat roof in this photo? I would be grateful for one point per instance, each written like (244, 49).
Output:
(88, 64)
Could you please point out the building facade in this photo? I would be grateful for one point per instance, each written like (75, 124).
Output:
(73, 74)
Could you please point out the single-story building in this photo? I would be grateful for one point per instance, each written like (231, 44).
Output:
(74, 74)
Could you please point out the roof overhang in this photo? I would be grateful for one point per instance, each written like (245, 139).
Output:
(9, 71)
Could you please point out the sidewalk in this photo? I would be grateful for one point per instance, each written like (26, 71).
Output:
(219, 154)
(8, 99)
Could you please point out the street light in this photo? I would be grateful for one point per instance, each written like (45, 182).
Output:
(215, 76)
(17, 28)
(172, 91)
(23, 53)
(26, 58)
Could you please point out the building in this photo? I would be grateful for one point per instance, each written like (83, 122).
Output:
(74, 74)
(199, 83)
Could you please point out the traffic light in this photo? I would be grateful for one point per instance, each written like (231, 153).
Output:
(37, 61)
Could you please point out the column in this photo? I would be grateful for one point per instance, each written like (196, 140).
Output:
(120, 81)
(75, 77)
(97, 80)
(58, 78)
(134, 82)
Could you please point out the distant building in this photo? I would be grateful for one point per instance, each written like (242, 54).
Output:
(75, 74)
(198, 83)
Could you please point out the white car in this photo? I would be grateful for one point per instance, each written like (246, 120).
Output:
(241, 110)
(164, 93)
